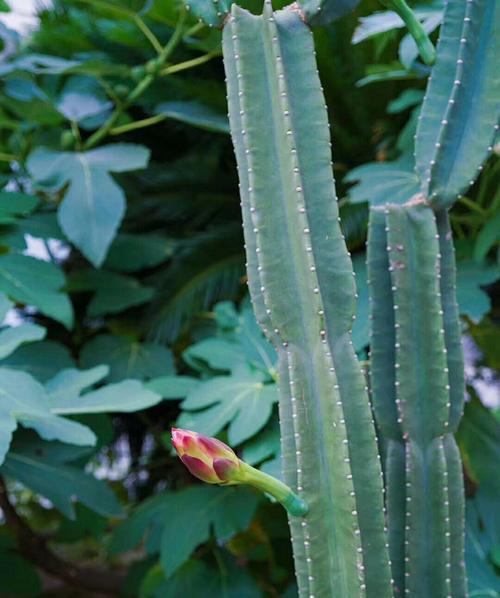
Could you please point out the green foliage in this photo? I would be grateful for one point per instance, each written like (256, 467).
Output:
(142, 296)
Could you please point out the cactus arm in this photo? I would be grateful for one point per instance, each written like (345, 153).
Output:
(322, 12)
(211, 12)
(460, 112)
(456, 501)
(451, 319)
(424, 44)
(420, 349)
(280, 133)
(424, 485)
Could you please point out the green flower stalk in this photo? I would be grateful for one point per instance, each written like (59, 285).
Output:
(213, 462)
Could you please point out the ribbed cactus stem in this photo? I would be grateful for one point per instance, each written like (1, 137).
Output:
(302, 287)
(423, 470)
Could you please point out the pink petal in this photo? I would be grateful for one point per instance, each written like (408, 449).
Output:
(200, 469)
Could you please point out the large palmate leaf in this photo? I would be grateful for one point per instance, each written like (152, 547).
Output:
(127, 358)
(11, 338)
(41, 359)
(129, 252)
(61, 484)
(112, 292)
(473, 301)
(38, 283)
(24, 400)
(14, 205)
(382, 182)
(482, 541)
(94, 204)
(242, 400)
(176, 523)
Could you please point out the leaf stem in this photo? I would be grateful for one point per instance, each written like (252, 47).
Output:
(154, 41)
(141, 87)
(7, 157)
(138, 124)
(188, 64)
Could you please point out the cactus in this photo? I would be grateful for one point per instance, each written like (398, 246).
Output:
(303, 292)
(416, 357)
(302, 286)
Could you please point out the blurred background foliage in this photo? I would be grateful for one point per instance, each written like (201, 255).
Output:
(122, 277)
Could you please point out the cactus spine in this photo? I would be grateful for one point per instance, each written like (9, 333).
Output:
(302, 285)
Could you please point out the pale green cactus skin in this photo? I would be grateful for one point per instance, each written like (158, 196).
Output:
(418, 390)
(303, 289)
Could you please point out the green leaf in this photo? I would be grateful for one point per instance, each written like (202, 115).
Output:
(11, 338)
(68, 384)
(151, 512)
(61, 484)
(24, 400)
(5, 306)
(195, 114)
(377, 22)
(94, 204)
(217, 353)
(487, 237)
(4, 7)
(196, 580)
(18, 577)
(15, 205)
(407, 99)
(241, 400)
(76, 105)
(127, 358)
(191, 514)
(113, 292)
(124, 397)
(40, 359)
(382, 182)
(131, 252)
(264, 445)
(35, 282)
(472, 300)
(172, 387)
(482, 534)
(479, 441)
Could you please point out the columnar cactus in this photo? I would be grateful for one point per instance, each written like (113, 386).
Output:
(417, 368)
(302, 286)
(303, 291)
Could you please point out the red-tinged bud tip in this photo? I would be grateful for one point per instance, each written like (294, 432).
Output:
(199, 453)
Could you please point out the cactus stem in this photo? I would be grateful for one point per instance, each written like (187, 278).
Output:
(425, 46)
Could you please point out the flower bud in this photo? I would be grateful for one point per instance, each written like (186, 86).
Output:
(208, 459)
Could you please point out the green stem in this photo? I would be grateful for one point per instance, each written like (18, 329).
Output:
(7, 157)
(138, 124)
(472, 205)
(188, 64)
(140, 88)
(153, 40)
(277, 489)
(424, 44)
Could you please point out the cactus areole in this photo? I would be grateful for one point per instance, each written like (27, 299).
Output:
(350, 539)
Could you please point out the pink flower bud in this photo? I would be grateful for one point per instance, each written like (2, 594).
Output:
(208, 459)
